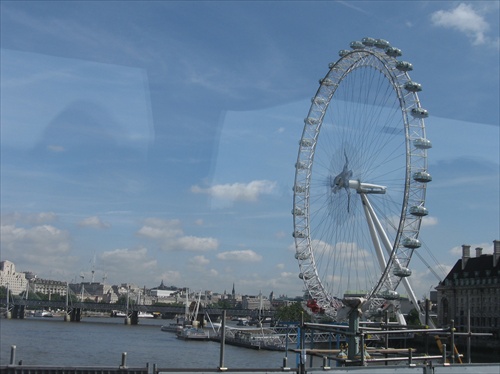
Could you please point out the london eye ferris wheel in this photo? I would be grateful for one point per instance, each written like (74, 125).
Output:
(360, 180)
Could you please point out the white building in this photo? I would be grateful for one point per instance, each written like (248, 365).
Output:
(162, 293)
(255, 303)
(48, 287)
(16, 282)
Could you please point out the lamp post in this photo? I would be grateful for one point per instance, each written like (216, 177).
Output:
(8, 314)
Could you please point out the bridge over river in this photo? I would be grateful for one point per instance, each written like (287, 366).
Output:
(74, 310)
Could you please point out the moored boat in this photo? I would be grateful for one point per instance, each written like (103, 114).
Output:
(193, 333)
(43, 313)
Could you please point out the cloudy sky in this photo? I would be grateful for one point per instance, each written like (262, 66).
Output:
(159, 138)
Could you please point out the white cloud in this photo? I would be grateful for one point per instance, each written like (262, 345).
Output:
(124, 255)
(213, 273)
(238, 191)
(170, 236)
(39, 240)
(465, 19)
(94, 222)
(44, 249)
(128, 265)
(422, 282)
(280, 234)
(133, 262)
(429, 221)
(246, 255)
(155, 228)
(31, 219)
(56, 148)
(199, 261)
(457, 251)
(170, 277)
(193, 243)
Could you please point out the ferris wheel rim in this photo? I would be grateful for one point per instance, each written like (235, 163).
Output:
(409, 103)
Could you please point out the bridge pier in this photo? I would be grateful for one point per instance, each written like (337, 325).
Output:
(76, 315)
(17, 312)
(135, 318)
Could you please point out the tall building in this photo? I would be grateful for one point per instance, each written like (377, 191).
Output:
(472, 288)
(16, 282)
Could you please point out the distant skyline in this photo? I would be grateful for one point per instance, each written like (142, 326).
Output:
(159, 138)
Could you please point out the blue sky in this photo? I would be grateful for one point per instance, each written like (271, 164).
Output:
(160, 137)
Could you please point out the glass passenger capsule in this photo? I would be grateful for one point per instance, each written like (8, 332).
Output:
(404, 66)
(411, 243)
(326, 82)
(311, 121)
(297, 212)
(369, 42)
(299, 189)
(306, 142)
(302, 255)
(304, 276)
(422, 143)
(401, 272)
(419, 113)
(413, 86)
(393, 52)
(357, 45)
(419, 211)
(390, 295)
(422, 176)
(382, 44)
(318, 100)
(343, 52)
(298, 234)
(301, 165)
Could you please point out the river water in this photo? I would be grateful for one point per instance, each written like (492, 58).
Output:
(101, 342)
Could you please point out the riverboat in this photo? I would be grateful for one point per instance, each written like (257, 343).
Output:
(253, 338)
(43, 313)
(193, 333)
(179, 324)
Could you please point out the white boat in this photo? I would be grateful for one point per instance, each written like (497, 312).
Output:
(179, 323)
(254, 338)
(43, 313)
(145, 315)
(193, 333)
(189, 320)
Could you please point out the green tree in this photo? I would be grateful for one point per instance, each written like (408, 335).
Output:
(122, 300)
(3, 294)
(222, 304)
(292, 313)
(412, 318)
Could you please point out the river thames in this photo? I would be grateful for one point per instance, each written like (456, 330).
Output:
(101, 342)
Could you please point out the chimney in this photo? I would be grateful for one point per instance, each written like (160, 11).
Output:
(465, 255)
(479, 251)
(496, 252)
